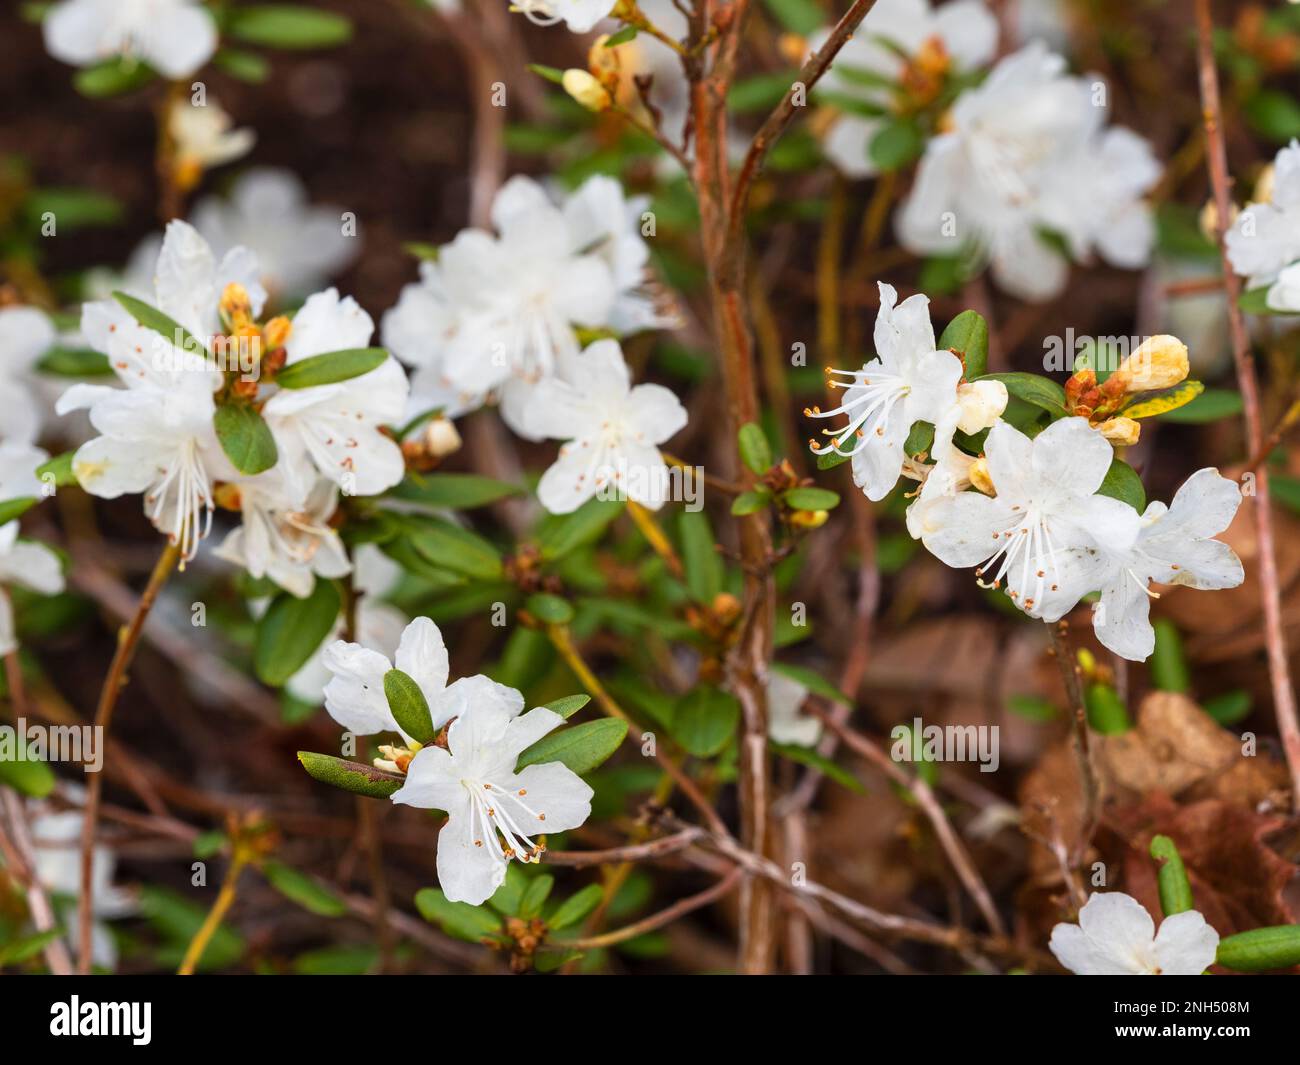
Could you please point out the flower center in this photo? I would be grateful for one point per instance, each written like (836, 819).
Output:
(1026, 543)
(496, 810)
(867, 406)
(186, 494)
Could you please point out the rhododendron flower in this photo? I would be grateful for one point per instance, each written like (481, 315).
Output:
(1174, 545)
(785, 724)
(1046, 533)
(493, 812)
(25, 335)
(579, 15)
(1025, 153)
(175, 37)
(203, 137)
(614, 431)
(1264, 240)
(1115, 936)
(334, 429)
(22, 562)
(908, 381)
(958, 37)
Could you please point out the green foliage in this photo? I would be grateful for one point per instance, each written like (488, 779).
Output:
(1168, 664)
(580, 747)
(1123, 483)
(291, 630)
(1106, 712)
(459, 919)
(1175, 888)
(705, 720)
(755, 451)
(288, 26)
(304, 890)
(331, 367)
(409, 707)
(453, 491)
(1034, 389)
(700, 559)
(1261, 949)
(350, 776)
(245, 437)
(967, 336)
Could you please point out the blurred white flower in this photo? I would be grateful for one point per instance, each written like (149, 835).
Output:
(957, 37)
(579, 15)
(493, 813)
(1115, 936)
(25, 335)
(335, 429)
(285, 537)
(614, 431)
(1174, 545)
(497, 314)
(203, 137)
(175, 37)
(298, 245)
(1023, 153)
(785, 724)
(1044, 532)
(22, 562)
(156, 433)
(1263, 242)
(908, 381)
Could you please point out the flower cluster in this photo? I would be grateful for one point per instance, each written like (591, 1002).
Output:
(1264, 241)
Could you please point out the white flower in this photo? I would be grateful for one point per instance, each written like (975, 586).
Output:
(785, 724)
(614, 431)
(335, 429)
(156, 433)
(1115, 936)
(1264, 240)
(298, 246)
(203, 137)
(1174, 545)
(579, 15)
(908, 381)
(22, 562)
(56, 837)
(963, 33)
(25, 335)
(175, 37)
(497, 314)
(1045, 531)
(493, 812)
(1023, 153)
(379, 624)
(284, 537)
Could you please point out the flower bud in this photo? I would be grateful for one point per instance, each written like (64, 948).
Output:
(1209, 220)
(441, 437)
(809, 519)
(1264, 185)
(981, 403)
(1159, 362)
(586, 90)
(236, 308)
(1121, 432)
(979, 476)
(276, 332)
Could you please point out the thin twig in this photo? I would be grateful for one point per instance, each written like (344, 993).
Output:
(1079, 736)
(663, 917)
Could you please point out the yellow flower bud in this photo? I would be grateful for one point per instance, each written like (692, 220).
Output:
(979, 476)
(1121, 432)
(1209, 220)
(809, 519)
(1159, 362)
(586, 90)
(1264, 185)
(276, 332)
(441, 437)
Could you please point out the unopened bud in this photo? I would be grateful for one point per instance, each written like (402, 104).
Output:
(981, 403)
(441, 437)
(725, 607)
(979, 476)
(236, 308)
(1121, 432)
(227, 496)
(1264, 185)
(276, 332)
(1159, 362)
(809, 519)
(1209, 220)
(586, 90)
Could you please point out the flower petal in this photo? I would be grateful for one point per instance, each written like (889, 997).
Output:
(1185, 945)
(422, 656)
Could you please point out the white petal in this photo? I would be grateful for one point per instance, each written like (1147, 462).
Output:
(1185, 945)
(327, 323)
(1122, 618)
(422, 656)
(527, 729)
(1120, 926)
(1071, 456)
(355, 696)
(177, 38)
(34, 566)
(878, 463)
(959, 531)
(468, 867)
(472, 694)
(432, 783)
(561, 798)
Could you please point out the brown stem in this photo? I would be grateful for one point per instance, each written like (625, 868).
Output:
(663, 917)
(23, 865)
(1284, 701)
(128, 640)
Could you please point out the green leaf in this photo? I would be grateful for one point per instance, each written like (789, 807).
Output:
(288, 26)
(459, 919)
(898, 142)
(581, 747)
(300, 888)
(12, 509)
(1230, 707)
(209, 844)
(578, 529)
(1255, 301)
(1106, 713)
(113, 77)
(750, 502)
(568, 706)
(454, 491)
(506, 899)
(967, 336)
(550, 609)
(1261, 949)
(1175, 888)
(1168, 665)
(760, 92)
(828, 460)
(552, 74)
(291, 630)
(73, 208)
(808, 498)
(409, 707)
(60, 468)
(245, 66)
(337, 961)
(166, 327)
(27, 775)
(245, 438)
(627, 33)
(27, 947)
(1210, 406)
(1032, 388)
(920, 438)
(74, 362)
(1032, 707)
(808, 756)
(700, 557)
(1123, 483)
(755, 451)
(576, 907)
(813, 681)
(351, 776)
(705, 721)
(456, 549)
(535, 895)
(1273, 113)
(331, 367)
(797, 16)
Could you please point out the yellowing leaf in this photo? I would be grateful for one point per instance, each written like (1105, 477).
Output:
(1165, 401)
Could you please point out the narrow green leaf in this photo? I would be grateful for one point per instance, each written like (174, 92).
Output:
(1123, 483)
(1032, 388)
(1175, 888)
(1261, 949)
(897, 142)
(451, 547)
(455, 491)
(1230, 707)
(581, 747)
(813, 681)
(1169, 671)
(569, 705)
(60, 468)
(245, 438)
(551, 609)
(113, 77)
(291, 630)
(62, 361)
(350, 776)
(27, 947)
(755, 451)
(1210, 406)
(571, 531)
(750, 503)
(459, 919)
(808, 756)
(166, 327)
(288, 26)
(809, 498)
(1106, 713)
(551, 74)
(331, 367)
(576, 907)
(12, 509)
(700, 557)
(27, 775)
(967, 336)
(409, 707)
(535, 895)
(304, 890)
